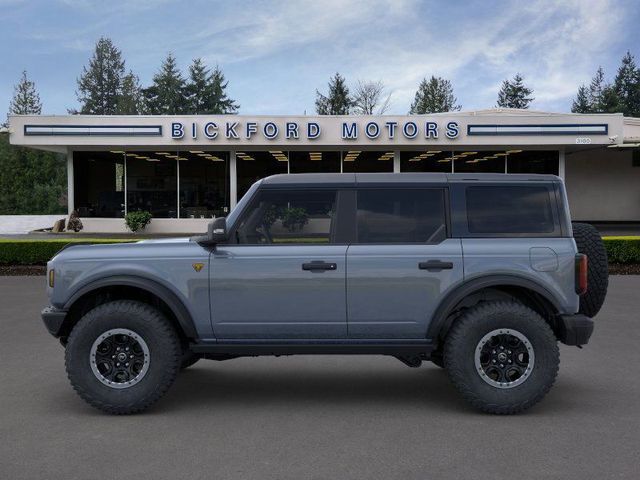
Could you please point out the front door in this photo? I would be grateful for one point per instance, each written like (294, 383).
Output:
(401, 263)
(285, 277)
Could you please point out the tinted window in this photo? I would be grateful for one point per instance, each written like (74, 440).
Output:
(509, 209)
(289, 217)
(401, 216)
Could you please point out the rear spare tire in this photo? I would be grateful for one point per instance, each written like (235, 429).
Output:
(590, 243)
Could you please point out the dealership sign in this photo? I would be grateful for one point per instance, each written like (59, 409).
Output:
(347, 130)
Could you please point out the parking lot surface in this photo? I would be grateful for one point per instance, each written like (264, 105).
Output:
(319, 417)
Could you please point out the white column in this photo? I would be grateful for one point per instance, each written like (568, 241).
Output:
(233, 180)
(177, 188)
(396, 161)
(125, 184)
(561, 167)
(70, 197)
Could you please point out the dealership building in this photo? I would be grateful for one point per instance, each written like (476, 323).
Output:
(186, 170)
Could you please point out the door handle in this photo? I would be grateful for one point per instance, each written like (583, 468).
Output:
(435, 265)
(319, 266)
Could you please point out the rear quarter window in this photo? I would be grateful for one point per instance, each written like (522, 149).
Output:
(512, 209)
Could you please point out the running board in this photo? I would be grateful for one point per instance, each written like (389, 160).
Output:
(319, 347)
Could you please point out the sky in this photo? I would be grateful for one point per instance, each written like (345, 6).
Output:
(275, 54)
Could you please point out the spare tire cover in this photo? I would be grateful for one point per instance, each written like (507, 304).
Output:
(590, 243)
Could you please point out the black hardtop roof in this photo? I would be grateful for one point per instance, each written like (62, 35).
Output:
(353, 179)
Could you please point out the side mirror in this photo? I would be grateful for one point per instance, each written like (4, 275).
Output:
(217, 231)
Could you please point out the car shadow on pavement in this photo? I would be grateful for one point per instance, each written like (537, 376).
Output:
(206, 385)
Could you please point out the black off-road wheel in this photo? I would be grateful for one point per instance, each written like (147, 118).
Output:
(590, 243)
(122, 356)
(502, 356)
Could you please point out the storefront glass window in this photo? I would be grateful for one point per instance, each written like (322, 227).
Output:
(252, 166)
(204, 184)
(314, 162)
(426, 161)
(99, 184)
(152, 183)
(367, 161)
(472, 161)
(533, 161)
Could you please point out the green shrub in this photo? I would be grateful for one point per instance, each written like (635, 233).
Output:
(137, 220)
(39, 252)
(622, 249)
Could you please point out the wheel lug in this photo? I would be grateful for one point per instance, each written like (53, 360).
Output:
(494, 360)
(493, 351)
(501, 365)
(126, 364)
(501, 348)
(509, 361)
(127, 349)
(509, 352)
(117, 364)
(130, 356)
(113, 356)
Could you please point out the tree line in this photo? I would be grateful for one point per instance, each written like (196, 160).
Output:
(106, 88)
(35, 182)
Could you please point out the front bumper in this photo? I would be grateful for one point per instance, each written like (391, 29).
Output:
(574, 329)
(53, 319)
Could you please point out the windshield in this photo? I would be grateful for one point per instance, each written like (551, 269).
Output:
(231, 218)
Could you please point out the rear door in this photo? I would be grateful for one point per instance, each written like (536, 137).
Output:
(401, 263)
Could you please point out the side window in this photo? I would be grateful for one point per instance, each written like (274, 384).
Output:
(401, 215)
(509, 209)
(289, 216)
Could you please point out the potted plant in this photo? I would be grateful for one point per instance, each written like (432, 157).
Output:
(137, 220)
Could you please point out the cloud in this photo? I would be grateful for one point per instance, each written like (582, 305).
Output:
(283, 51)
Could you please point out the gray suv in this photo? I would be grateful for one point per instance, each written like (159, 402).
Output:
(479, 274)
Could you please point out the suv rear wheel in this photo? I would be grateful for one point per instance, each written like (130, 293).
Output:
(122, 356)
(502, 357)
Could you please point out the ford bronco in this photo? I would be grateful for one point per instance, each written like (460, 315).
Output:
(480, 274)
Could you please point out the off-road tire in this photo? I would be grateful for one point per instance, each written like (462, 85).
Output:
(437, 358)
(157, 332)
(188, 359)
(590, 243)
(463, 340)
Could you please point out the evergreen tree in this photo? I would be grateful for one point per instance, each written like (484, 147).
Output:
(596, 88)
(434, 95)
(31, 181)
(222, 103)
(337, 101)
(581, 103)
(26, 100)
(627, 86)
(130, 100)
(514, 93)
(100, 84)
(167, 96)
(206, 92)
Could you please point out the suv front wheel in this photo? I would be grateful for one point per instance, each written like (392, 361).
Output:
(502, 356)
(122, 356)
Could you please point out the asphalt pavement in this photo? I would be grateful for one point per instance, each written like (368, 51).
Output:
(319, 417)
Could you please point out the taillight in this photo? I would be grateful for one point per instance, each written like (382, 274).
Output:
(581, 274)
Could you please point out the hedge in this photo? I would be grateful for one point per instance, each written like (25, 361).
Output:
(39, 252)
(623, 249)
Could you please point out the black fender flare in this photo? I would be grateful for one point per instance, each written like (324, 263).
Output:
(467, 288)
(163, 293)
